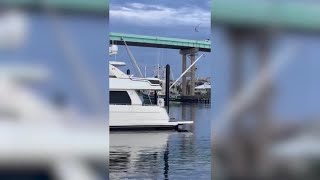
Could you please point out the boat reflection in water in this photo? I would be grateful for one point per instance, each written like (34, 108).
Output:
(136, 152)
(164, 154)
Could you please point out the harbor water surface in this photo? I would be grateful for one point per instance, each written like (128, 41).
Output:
(165, 154)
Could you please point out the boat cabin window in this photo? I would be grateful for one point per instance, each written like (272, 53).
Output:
(120, 97)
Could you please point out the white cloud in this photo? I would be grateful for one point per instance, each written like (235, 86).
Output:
(158, 15)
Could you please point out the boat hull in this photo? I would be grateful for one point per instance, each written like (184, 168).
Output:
(125, 117)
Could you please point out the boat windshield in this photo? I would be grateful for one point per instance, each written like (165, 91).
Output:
(147, 97)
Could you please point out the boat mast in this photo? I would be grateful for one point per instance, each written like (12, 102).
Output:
(145, 71)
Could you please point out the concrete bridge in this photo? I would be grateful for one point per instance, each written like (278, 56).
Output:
(186, 47)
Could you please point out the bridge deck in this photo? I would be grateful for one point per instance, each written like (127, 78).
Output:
(159, 42)
(99, 7)
(293, 16)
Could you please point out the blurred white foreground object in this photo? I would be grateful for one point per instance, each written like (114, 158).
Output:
(24, 73)
(13, 29)
(36, 134)
(38, 137)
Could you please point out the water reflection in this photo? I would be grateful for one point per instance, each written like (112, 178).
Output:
(165, 154)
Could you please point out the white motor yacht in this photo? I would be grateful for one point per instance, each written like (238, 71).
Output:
(126, 108)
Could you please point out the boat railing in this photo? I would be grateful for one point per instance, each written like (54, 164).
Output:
(143, 104)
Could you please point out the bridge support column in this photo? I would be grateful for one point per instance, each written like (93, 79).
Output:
(184, 78)
(192, 52)
(193, 75)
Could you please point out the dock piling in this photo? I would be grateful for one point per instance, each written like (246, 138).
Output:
(167, 86)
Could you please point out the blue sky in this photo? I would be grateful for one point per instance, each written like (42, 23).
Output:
(161, 18)
(163, 14)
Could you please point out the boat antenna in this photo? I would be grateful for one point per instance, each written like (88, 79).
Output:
(172, 76)
(132, 57)
(145, 71)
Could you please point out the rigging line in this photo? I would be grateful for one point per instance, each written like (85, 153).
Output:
(132, 57)
(84, 77)
(159, 54)
(162, 56)
(249, 92)
(186, 70)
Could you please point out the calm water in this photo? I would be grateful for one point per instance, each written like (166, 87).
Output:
(164, 155)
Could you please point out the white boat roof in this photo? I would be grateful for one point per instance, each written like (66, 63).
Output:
(132, 84)
(121, 81)
(204, 86)
(117, 63)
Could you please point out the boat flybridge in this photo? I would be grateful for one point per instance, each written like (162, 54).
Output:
(127, 109)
